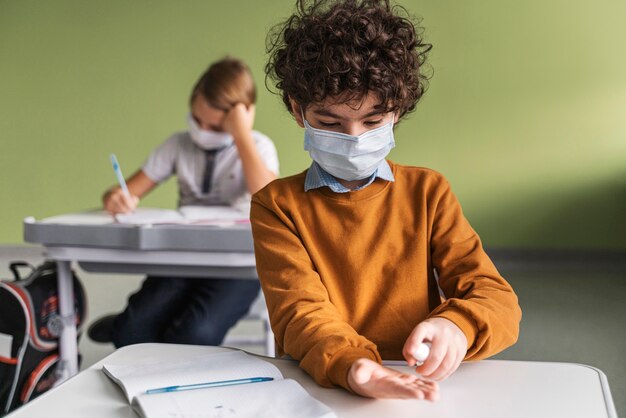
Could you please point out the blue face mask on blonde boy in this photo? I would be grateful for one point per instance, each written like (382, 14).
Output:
(349, 157)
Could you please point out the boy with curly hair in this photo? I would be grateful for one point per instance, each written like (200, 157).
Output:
(352, 252)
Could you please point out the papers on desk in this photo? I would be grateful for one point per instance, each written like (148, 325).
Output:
(196, 215)
(277, 398)
(186, 215)
(93, 217)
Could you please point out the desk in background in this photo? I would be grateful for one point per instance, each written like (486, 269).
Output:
(158, 250)
(489, 388)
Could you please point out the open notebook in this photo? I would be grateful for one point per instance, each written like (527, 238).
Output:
(198, 215)
(276, 398)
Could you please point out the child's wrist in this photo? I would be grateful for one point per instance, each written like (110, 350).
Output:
(244, 136)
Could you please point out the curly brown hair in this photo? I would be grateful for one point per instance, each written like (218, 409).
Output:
(344, 50)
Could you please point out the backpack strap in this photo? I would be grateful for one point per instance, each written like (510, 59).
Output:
(29, 307)
(38, 382)
(15, 266)
(12, 398)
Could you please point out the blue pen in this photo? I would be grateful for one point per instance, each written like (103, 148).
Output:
(209, 385)
(118, 174)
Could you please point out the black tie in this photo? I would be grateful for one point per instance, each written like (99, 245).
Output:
(207, 177)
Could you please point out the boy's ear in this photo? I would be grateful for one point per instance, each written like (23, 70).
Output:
(396, 117)
(296, 110)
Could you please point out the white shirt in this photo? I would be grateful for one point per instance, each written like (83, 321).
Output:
(179, 155)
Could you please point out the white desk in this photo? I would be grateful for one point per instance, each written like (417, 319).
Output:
(164, 250)
(490, 388)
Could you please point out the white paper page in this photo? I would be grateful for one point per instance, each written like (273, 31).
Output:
(275, 399)
(213, 214)
(149, 216)
(96, 217)
(136, 379)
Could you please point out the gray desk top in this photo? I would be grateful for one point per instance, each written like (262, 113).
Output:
(204, 238)
(490, 388)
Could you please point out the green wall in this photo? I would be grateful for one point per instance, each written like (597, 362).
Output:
(525, 115)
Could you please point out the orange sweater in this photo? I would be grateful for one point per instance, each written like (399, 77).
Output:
(349, 275)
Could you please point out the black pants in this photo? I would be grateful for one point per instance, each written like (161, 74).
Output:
(184, 311)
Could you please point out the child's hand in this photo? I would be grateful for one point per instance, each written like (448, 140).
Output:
(239, 120)
(448, 347)
(370, 379)
(116, 201)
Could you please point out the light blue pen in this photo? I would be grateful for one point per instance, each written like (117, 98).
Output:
(209, 385)
(118, 174)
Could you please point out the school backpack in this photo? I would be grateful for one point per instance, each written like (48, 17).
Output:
(29, 333)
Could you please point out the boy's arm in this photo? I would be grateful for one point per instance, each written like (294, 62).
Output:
(306, 324)
(157, 168)
(238, 122)
(116, 201)
(478, 300)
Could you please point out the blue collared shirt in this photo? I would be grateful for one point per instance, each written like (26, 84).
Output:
(316, 177)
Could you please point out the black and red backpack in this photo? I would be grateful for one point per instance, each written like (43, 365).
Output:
(30, 325)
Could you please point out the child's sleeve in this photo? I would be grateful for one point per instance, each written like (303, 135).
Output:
(160, 165)
(306, 324)
(478, 299)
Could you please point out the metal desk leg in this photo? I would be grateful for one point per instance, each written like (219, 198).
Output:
(68, 347)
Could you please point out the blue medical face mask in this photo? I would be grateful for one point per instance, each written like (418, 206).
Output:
(346, 156)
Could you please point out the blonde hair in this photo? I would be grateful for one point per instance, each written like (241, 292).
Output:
(225, 83)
